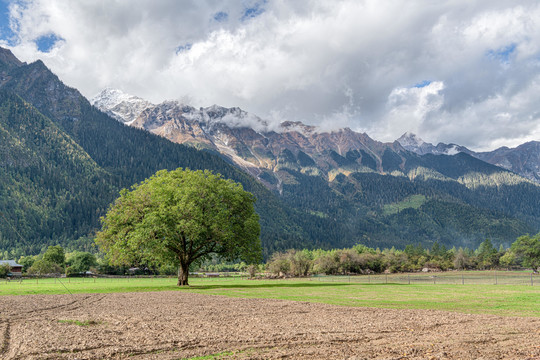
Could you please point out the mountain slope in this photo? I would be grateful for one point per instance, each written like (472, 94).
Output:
(329, 189)
(51, 189)
(349, 180)
(523, 160)
(128, 155)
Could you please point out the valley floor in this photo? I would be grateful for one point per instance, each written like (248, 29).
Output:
(182, 325)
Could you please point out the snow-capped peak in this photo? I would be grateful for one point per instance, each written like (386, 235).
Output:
(123, 107)
(410, 140)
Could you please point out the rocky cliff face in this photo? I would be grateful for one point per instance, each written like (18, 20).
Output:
(250, 142)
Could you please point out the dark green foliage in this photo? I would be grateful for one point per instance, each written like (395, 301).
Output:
(181, 217)
(304, 159)
(51, 189)
(456, 165)
(268, 177)
(64, 163)
(5, 269)
(391, 161)
(340, 160)
(368, 160)
(56, 255)
(361, 259)
(527, 250)
(353, 155)
(80, 261)
(286, 157)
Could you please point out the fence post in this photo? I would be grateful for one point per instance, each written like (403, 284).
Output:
(532, 279)
(434, 279)
(409, 278)
(369, 278)
(495, 277)
(387, 278)
(462, 279)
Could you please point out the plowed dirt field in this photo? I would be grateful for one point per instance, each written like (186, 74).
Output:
(179, 325)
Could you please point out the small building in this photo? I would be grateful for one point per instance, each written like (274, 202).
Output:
(16, 269)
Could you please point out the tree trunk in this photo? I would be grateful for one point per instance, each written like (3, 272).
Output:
(183, 272)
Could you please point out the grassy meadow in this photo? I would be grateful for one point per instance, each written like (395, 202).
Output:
(506, 300)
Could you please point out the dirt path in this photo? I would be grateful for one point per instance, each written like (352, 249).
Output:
(176, 325)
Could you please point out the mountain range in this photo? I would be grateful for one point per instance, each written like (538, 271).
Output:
(336, 173)
(256, 147)
(523, 159)
(63, 162)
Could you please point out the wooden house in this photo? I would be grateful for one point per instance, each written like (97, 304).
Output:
(16, 269)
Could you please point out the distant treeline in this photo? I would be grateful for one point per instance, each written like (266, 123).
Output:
(360, 259)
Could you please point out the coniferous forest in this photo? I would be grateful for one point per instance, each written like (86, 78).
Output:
(63, 162)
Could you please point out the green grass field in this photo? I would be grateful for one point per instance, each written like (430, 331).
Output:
(508, 300)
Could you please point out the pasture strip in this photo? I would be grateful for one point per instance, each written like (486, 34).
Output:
(507, 300)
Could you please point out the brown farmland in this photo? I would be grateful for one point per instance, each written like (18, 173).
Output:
(178, 325)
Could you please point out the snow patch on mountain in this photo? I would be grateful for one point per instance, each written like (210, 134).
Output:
(411, 140)
(121, 106)
(452, 150)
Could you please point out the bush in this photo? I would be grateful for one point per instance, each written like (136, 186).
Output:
(300, 262)
(279, 264)
(80, 262)
(55, 255)
(327, 264)
(252, 270)
(5, 269)
(42, 267)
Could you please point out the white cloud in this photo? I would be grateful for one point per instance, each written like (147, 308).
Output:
(339, 63)
(407, 109)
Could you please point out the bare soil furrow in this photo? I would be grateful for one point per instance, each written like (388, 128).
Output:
(177, 325)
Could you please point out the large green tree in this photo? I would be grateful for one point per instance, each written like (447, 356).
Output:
(56, 255)
(527, 249)
(181, 217)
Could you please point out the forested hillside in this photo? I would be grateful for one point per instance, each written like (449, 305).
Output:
(120, 156)
(52, 191)
(63, 162)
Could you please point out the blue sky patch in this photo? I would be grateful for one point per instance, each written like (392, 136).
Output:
(46, 42)
(221, 16)
(5, 31)
(253, 10)
(422, 84)
(183, 48)
(502, 54)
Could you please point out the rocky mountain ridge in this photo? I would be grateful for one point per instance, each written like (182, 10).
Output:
(249, 141)
(523, 159)
(263, 150)
(336, 189)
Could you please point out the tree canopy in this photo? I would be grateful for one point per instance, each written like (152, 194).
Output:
(528, 249)
(181, 217)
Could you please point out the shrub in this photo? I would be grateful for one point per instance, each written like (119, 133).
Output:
(327, 263)
(42, 267)
(252, 270)
(5, 269)
(300, 262)
(279, 264)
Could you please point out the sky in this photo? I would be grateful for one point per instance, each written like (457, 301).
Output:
(454, 71)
